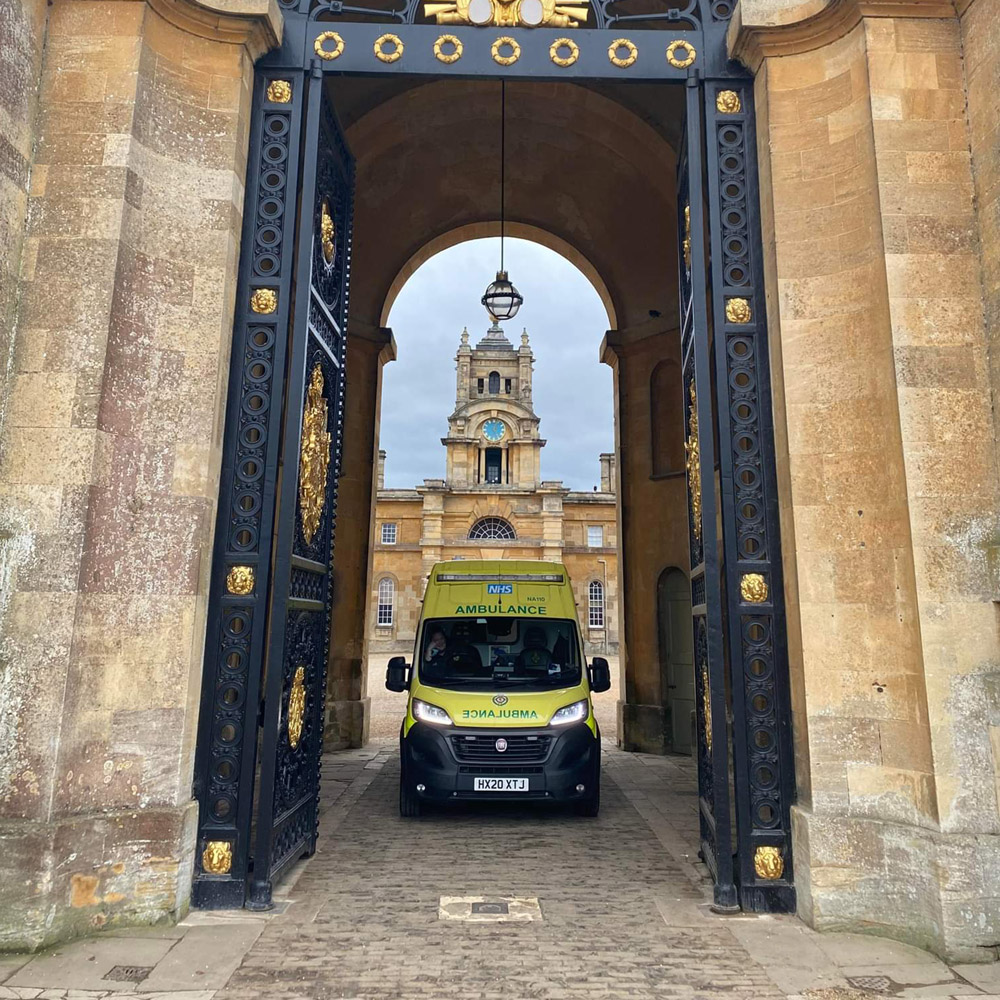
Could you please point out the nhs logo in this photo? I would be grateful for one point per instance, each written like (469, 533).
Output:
(499, 588)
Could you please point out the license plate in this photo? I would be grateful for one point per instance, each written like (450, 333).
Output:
(500, 784)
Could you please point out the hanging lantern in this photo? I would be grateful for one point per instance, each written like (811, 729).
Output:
(502, 299)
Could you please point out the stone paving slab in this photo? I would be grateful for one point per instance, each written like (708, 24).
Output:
(624, 905)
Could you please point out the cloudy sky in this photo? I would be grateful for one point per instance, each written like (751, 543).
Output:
(565, 321)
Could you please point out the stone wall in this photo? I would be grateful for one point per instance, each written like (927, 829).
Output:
(110, 456)
(888, 476)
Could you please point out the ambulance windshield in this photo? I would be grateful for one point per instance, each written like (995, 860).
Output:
(498, 652)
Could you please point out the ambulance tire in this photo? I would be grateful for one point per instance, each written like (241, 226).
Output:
(591, 805)
(410, 805)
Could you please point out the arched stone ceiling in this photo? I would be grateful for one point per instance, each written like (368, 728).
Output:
(595, 175)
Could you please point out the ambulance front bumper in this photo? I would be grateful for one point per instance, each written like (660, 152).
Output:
(552, 763)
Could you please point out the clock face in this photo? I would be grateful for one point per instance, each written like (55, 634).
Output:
(494, 430)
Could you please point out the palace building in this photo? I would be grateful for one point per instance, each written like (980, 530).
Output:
(493, 503)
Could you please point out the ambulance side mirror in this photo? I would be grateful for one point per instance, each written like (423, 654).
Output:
(397, 674)
(600, 674)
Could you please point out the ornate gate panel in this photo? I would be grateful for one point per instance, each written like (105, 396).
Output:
(753, 590)
(260, 730)
(260, 737)
(292, 736)
(710, 661)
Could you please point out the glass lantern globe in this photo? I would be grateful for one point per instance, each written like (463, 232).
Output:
(502, 299)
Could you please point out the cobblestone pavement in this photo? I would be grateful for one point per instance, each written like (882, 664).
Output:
(622, 902)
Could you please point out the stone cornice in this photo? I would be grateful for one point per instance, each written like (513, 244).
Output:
(257, 24)
(762, 29)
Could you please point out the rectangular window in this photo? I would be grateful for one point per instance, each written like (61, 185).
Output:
(595, 604)
(506, 386)
(482, 385)
(386, 593)
(388, 534)
(595, 536)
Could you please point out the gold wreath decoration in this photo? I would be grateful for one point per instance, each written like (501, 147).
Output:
(672, 48)
(617, 60)
(505, 60)
(388, 57)
(574, 52)
(325, 53)
(444, 57)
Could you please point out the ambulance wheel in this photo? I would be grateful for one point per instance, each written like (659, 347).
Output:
(410, 805)
(591, 805)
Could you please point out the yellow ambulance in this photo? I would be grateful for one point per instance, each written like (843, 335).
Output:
(499, 702)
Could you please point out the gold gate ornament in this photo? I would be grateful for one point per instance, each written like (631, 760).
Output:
(314, 459)
(508, 13)
(753, 588)
(693, 464)
(296, 707)
(768, 862)
(240, 580)
(217, 858)
(706, 704)
(327, 233)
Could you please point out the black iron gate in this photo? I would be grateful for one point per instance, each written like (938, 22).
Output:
(741, 670)
(261, 727)
(260, 731)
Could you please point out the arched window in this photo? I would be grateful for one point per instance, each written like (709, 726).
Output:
(494, 383)
(492, 529)
(595, 607)
(386, 592)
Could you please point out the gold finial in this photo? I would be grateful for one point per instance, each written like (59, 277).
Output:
(753, 588)
(738, 311)
(768, 862)
(217, 858)
(264, 300)
(279, 91)
(240, 580)
(727, 102)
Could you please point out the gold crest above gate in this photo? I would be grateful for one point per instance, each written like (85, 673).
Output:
(508, 13)
(314, 459)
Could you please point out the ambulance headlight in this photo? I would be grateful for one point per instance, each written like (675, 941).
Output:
(576, 712)
(430, 713)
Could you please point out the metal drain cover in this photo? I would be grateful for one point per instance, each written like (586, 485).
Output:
(495, 909)
(128, 973)
(483, 909)
(877, 984)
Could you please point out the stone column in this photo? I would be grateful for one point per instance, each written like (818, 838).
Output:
(887, 468)
(652, 532)
(347, 702)
(110, 455)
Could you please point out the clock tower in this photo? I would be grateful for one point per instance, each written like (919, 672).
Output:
(493, 437)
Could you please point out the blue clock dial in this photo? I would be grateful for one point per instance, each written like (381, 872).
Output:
(494, 430)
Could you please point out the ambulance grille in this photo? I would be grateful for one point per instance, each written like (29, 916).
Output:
(519, 748)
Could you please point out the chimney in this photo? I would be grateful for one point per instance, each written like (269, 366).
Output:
(609, 473)
(381, 469)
